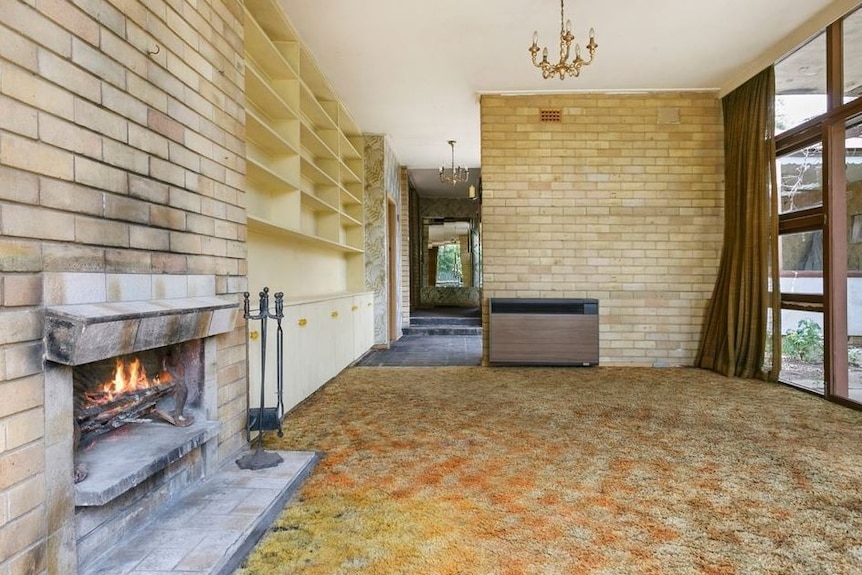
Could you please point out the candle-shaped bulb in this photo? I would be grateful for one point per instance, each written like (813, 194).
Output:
(535, 38)
(592, 34)
(545, 54)
(568, 25)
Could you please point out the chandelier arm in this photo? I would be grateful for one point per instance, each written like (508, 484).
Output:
(563, 67)
(591, 48)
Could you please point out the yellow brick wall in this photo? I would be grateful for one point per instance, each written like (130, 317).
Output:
(121, 152)
(620, 201)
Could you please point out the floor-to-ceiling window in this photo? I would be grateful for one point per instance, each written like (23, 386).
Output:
(819, 169)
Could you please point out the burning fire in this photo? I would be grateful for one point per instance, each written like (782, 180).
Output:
(129, 377)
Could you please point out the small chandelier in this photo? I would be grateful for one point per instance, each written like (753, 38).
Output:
(454, 175)
(563, 67)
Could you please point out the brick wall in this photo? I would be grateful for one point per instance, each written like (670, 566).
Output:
(621, 201)
(121, 152)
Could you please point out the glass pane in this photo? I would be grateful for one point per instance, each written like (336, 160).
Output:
(449, 271)
(853, 56)
(853, 163)
(802, 350)
(800, 176)
(800, 85)
(801, 263)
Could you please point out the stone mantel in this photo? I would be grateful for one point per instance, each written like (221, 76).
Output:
(83, 333)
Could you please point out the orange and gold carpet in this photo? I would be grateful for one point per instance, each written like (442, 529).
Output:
(505, 471)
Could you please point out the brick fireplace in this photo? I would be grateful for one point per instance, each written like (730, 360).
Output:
(141, 466)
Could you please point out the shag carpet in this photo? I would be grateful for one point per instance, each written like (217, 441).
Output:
(505, 471)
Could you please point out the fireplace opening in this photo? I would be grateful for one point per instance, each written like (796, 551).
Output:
(142, 445)
(162, 385)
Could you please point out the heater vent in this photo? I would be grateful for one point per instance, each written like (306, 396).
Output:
(551, 115)
(543, 331)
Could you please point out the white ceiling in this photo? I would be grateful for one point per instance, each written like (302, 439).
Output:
(414, 69)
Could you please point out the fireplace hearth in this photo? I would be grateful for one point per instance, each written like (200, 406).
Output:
(139, 381)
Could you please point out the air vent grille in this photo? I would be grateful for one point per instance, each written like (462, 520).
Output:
(550, 115)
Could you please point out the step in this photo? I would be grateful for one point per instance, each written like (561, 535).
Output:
(213, 526)
(417, 321)
(443, 330)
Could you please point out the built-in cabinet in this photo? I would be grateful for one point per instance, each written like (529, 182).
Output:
(304, 206)
(321, 337)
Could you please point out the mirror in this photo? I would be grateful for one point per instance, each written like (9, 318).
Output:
(451, 253)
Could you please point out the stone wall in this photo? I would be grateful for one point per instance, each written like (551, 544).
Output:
(383, 181)
(621, 200)
(121, 154)
(406, 247)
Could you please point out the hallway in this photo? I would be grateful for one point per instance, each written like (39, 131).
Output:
(438, 336)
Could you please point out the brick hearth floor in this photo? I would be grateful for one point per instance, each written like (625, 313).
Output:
(212, 528)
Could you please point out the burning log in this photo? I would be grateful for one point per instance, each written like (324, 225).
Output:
(101, 417)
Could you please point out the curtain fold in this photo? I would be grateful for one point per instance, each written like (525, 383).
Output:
(737, 317)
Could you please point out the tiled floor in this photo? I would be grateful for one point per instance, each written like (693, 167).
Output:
(439, 336)
(211, 529)
(424, 350)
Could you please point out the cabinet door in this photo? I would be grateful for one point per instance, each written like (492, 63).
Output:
(363, 324)
(343, 322)
(315, 346)
(297, 378)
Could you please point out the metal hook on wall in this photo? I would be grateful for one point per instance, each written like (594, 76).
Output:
(155, 51)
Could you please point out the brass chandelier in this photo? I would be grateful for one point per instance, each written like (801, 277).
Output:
(454, 175)
(563, 67)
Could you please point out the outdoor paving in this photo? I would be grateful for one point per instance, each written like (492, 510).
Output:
(212, 528)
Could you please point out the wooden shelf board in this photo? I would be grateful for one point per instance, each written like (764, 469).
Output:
(264, 53)
(261, 173)
(265, 226)
(260, 132)
(315, 173)
(262, 94)
(272, 19)
(348, 221)
(314, 111)
(310, 140)
(316, 204)
(351, 175)
(313, 77)
(348, 150)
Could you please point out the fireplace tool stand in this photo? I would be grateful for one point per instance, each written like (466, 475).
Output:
(260, 459)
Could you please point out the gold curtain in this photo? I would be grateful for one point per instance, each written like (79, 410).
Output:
(736, 324)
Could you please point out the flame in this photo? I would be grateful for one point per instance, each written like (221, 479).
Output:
(129, 376)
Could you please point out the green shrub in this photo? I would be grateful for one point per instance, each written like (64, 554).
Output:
(805, 343)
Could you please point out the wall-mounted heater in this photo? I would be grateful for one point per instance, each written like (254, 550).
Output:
(543, 331)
